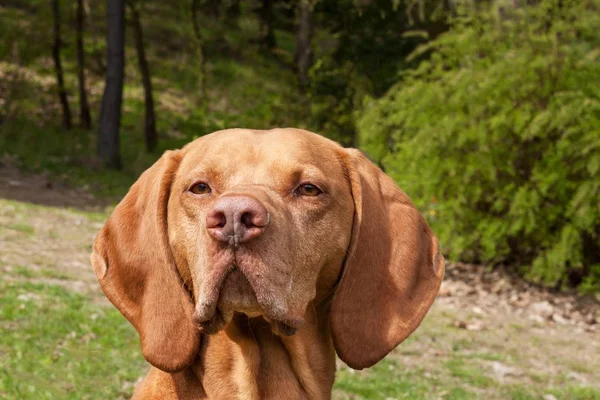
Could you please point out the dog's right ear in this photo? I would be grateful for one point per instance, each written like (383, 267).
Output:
(134, 265)
(393, 268)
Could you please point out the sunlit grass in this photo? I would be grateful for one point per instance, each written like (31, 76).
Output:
(58, 345)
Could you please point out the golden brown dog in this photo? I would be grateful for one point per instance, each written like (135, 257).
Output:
(248, 259)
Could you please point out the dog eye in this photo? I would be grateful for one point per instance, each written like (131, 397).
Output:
(307, 189)
(200, 188)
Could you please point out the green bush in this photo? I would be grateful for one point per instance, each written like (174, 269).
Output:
(496, 136)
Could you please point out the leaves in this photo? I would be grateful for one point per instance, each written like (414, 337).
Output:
(502, 125)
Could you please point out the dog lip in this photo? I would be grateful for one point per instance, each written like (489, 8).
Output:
(211, 319)
(206, 305)
(284, 329)
(207, 310)
(212, 325)
(285, 326)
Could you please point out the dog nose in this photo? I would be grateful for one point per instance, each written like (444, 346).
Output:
(237, 219)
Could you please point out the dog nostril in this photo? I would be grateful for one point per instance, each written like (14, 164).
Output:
(247, 220)
(216, 220)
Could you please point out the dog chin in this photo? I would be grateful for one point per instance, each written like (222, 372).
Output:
(237, 296)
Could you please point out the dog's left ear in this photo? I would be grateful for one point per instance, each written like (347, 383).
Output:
(393, 269)
(134, 265)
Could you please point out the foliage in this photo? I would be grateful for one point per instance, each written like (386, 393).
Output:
(497, 135)
(492, 126)
(365, 48)
(246, 89)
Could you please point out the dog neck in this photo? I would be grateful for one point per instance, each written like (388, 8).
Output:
(249, 360)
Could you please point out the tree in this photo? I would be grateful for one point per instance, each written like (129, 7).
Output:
(233, 11)
(304, 31)
(495, 135)
(267, 32)
(57, 45)
(373, 39)
(110, 115)
(150, 118)
(201, 49)
(84, 107)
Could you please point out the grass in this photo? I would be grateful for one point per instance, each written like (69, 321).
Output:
(20, 227)
(56, 344)
(61, 339)
(387, 379)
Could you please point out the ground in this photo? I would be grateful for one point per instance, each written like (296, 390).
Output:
(488, 335)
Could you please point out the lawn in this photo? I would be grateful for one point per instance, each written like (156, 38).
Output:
(62, 339)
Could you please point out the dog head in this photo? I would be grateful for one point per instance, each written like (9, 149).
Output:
(264, 223)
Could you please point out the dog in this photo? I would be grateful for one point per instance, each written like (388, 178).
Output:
(248, 259)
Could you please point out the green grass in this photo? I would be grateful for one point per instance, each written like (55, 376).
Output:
(386, 379)
(20, 227)
(58, 345)
(471, 374)
(40, 273)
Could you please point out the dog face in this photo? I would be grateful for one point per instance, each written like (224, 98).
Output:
(267, 224)
(259, 223)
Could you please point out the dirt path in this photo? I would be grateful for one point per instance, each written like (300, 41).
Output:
(48, 227)
(43, 190)
(487, 330)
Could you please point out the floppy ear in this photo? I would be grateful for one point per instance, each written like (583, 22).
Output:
(133, 262)
(393, 270)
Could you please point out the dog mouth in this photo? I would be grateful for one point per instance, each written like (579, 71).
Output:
(234, 294)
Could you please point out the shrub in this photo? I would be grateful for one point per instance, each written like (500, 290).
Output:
(496, 136)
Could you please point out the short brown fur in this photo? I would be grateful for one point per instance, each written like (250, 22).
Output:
(351, 271)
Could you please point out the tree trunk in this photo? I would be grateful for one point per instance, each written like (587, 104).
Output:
(110, 115)
(304, 33)
(84, 107)
(233, 12)
(62, 93)
(150, 119)
(201, 48)
(267, 40)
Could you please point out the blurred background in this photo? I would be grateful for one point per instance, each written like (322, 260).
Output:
(486, 113)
